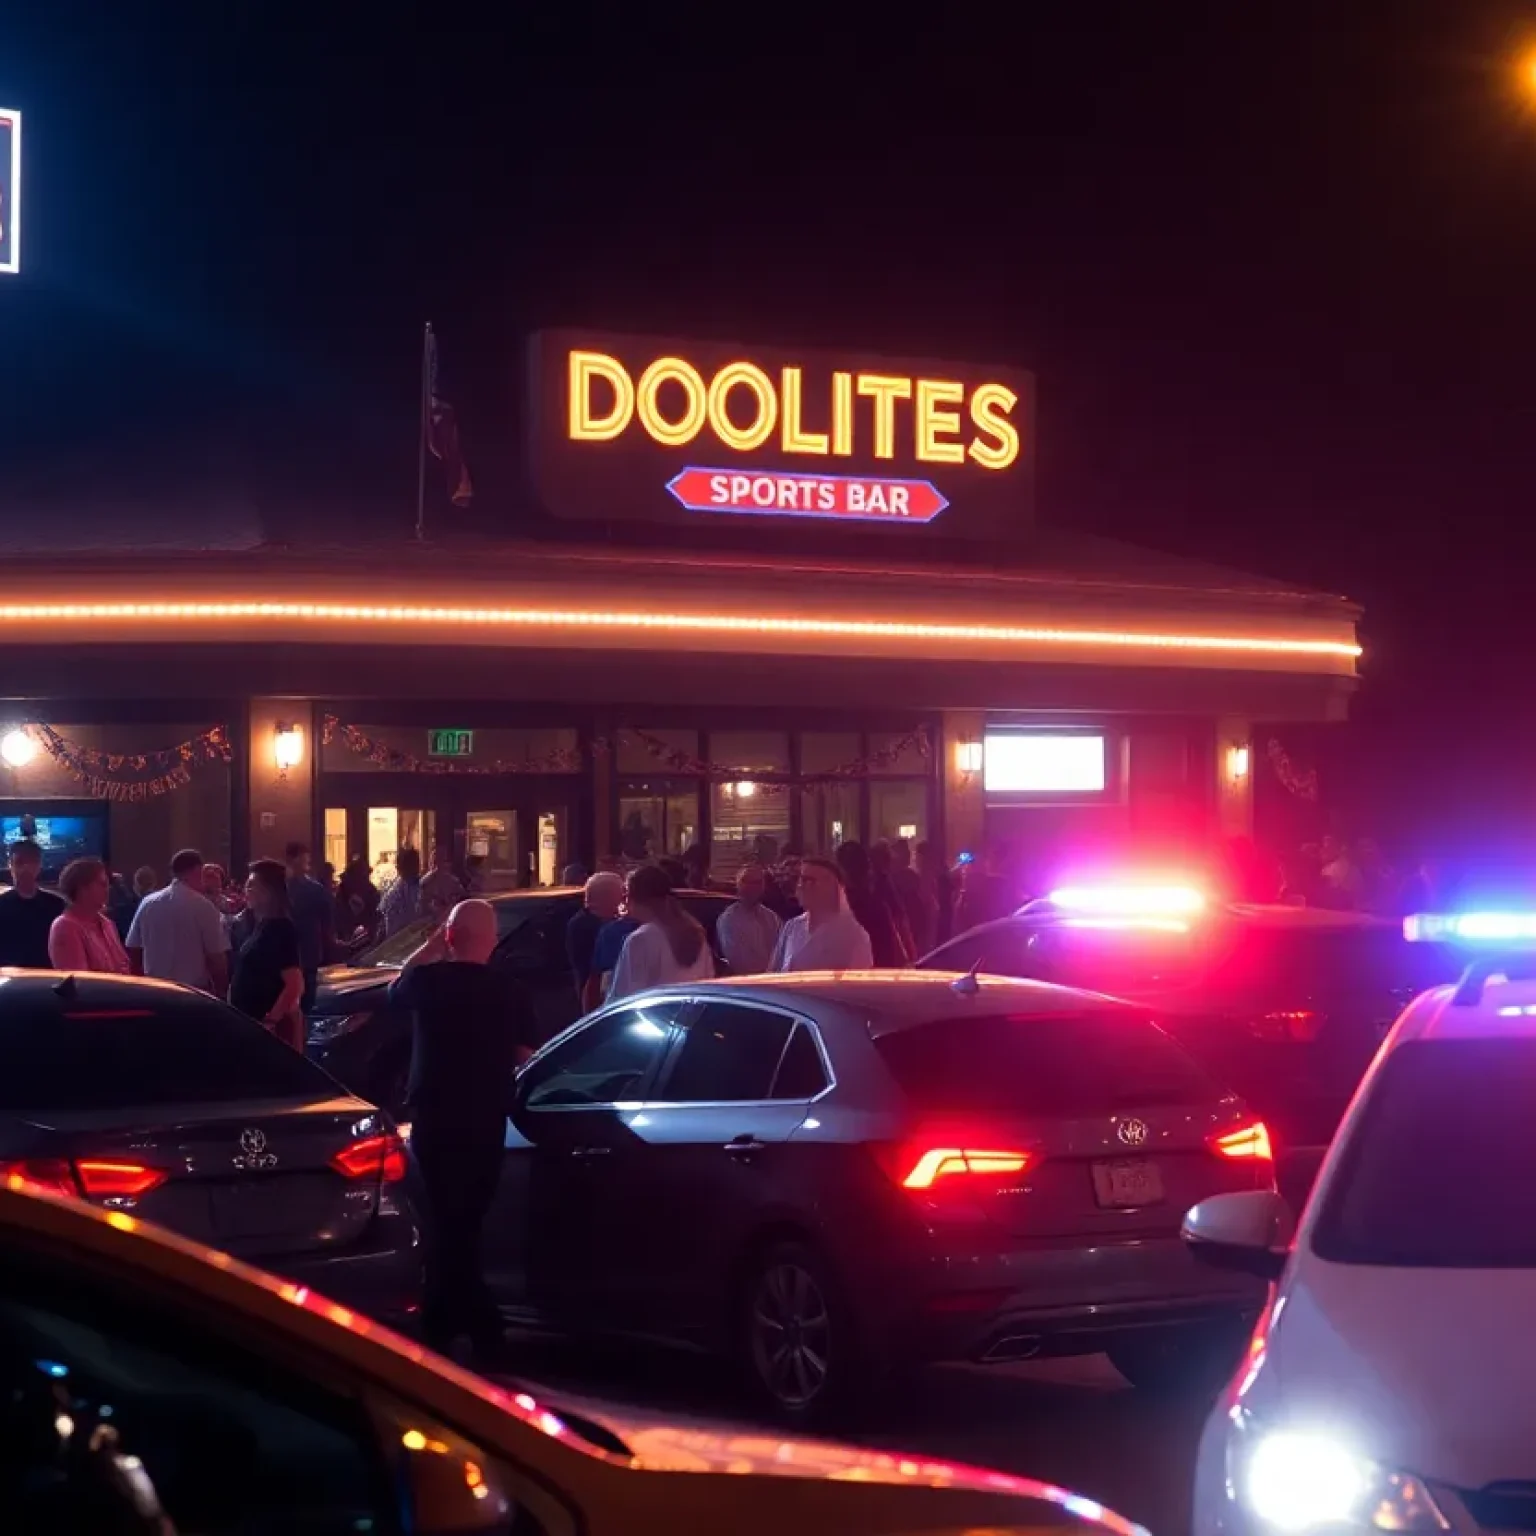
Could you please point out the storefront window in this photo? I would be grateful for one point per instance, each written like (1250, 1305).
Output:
(646, 751)
(750, 751)
(336, 837)
(898, 810)
(391, 828)
(657, 820)
(829, 815)
(826, 751)
(490, 849)
(750, 822)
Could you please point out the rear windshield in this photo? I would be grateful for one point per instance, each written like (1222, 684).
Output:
(189, 1050)
(511, 917)
(1058, 1064)
(1440, 1171)
(1335, 959)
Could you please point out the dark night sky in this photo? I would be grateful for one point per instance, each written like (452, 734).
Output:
(1273, 264)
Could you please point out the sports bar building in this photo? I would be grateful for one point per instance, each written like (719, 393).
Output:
(753, 595)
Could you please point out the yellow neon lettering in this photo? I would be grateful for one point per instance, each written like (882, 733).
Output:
(990, 406)
(931, 421)
(796, 439)
(671, 370)
(842, 415)
(885, 391)
(586, 425)
(750, 377)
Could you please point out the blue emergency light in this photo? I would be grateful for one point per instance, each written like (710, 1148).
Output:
(1470, 928)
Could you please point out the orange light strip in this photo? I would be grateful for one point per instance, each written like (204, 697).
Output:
(407, 614)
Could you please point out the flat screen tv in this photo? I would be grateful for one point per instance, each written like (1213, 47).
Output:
(63, 829)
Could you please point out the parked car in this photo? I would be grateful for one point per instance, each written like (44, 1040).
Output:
(1286, 1005)
(148, 1384)
(824, 1174)
(155, 1101)
(362, 1042)
(1388, 1384)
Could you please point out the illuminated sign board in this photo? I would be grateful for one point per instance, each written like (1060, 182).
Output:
(657, 429)
(10, 190)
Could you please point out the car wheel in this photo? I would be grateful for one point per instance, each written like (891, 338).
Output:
(1185, 1360)
(797, 1341)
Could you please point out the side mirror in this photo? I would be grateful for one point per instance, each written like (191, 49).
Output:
(1249, 1232)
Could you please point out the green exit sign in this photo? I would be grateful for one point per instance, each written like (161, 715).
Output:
(450, 743)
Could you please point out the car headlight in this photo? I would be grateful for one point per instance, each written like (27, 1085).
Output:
(325, 1027)
(1295, 1480)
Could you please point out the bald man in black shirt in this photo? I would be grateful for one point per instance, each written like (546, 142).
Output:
(474, 1026)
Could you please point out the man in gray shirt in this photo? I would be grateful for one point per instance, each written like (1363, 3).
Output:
(747, 930)
(177, 934)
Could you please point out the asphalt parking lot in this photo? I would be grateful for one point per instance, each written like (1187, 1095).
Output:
(1073, 1422)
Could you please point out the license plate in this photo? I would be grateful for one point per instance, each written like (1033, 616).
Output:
(251, 1210)
(1125, 1184)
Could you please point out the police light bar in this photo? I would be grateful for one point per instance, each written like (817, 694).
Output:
(1470, 927)
(1129, 901)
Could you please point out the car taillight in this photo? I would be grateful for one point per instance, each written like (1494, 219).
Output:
(102, 1177)
(52, 1173)
(95, 1177)
(1248, 1143)
(374, 1157)
(927, 1166)
(1298, 1024)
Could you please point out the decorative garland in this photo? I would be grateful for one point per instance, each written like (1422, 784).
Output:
(86, 763)
(1301, 782)
(569, 759)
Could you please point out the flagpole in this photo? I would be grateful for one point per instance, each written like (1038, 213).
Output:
(423, 426)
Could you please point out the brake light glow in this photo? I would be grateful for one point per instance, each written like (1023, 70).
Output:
(1249, 1143)
(101, 1178)
(1473, 927)
(1129, 900)
(1300, 1024)
(947, 1162)
(374, 1157)
(50, 1173)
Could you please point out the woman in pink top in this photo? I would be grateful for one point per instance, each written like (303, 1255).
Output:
(85, 938)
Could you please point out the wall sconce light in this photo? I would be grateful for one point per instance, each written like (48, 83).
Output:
(969, 756)
(745, 789)
(1237, 763)
(288, 747)
(18, 748)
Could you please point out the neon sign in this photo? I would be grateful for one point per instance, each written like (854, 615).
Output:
(745, 408)
(768, 493)
(10, 190)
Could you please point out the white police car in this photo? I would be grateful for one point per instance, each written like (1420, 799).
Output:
(1391, 1383)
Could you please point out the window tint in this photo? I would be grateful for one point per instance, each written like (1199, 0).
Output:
(1031, 1064)
(609, 1061)
(186, 1049)
(801, 1073)
(730, 1053)
(532, 936)
(1411, 1191)
(229, 1438)
(1334, 959)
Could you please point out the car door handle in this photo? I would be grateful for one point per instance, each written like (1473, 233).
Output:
(584, 1152)
(747, 1144)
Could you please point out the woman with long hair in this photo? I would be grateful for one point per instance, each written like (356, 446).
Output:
(268, 981)
(668, 946)
(83, 937)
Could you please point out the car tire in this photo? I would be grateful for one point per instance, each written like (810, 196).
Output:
(795, 1337)
(1196, 1360)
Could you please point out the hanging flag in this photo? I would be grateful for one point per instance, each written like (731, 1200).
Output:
(443, 433)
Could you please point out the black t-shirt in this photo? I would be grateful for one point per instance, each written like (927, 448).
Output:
(24, 925)
(580, 940)
(472, 1026)
(259, 965)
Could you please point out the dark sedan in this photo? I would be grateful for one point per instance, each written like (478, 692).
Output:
(157, 1101)
(1287, 1005)
(819, 1175)
(362, 1042)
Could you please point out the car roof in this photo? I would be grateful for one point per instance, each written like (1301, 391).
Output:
(510, 1421)
(545, 892)
(897, 1000)
(1266, 916)
(92, 991)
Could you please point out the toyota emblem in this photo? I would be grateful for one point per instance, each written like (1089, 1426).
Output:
(1132, 1133)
